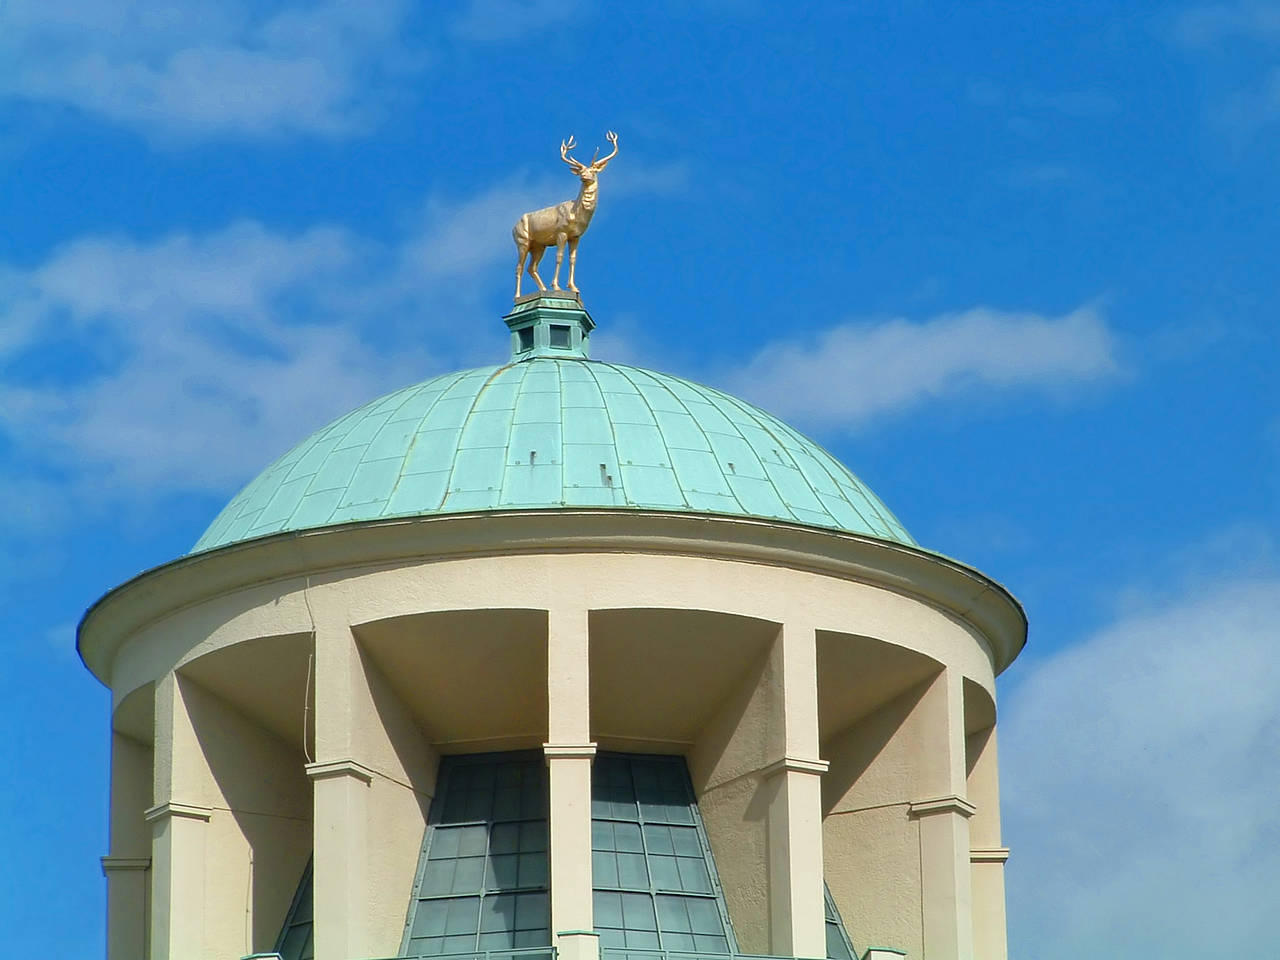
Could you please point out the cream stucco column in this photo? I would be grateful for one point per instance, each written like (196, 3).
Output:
(373, 778)
(796, 917)
(569, 751)
(126, 867)
(943, 821)
(179, 830)
(987, 853)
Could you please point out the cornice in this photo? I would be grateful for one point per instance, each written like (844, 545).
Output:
(112, 865)
(795, 765)
(344, 767)
(944, 583)
(934, 805)
(989, 855)
(173, 808)
(564, 751)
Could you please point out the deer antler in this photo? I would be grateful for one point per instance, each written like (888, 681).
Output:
(612, 138)
(565, 147)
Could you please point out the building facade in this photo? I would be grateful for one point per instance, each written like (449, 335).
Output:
(555, 657)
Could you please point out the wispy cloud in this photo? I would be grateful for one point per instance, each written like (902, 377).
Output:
(1240, 41)
(1140, 779)
(495, 21)
(1210, 25)
(198, 68)
(188, 362)
(848, 374)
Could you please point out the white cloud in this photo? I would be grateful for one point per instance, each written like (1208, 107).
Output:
(845, 375)
(1210, 25)
(493, 21)
(197, 67)
(1140, 778)
(188, 362)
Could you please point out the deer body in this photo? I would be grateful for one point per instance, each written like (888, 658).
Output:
(561, 225)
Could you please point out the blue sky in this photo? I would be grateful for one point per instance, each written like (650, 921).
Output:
(1015, 264)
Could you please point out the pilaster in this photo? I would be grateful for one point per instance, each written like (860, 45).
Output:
(796, 914)
(179, 830)
(943, 821)
(569, 752)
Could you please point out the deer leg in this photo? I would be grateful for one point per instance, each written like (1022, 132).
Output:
(573, 262)
(561, 240)
(535, 257)
(520, 268)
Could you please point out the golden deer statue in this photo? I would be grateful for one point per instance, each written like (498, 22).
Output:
(565, 223)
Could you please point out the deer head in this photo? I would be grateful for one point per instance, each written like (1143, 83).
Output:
(587, 171)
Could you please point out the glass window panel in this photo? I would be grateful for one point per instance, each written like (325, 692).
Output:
(429, 919)
(610, 937)
(501, 940)
(438, 877)
(533, 911)
(459, 944)
(533, 870)
(504, 838)
(484, 859)
(295, 939)
(642, 939)
(678, 941)
(706, 944)
(646, 836)
(685, 841)
(657, 839)
(533, 836)
(637, 912)
(468, 876)
(472, 841)
(665, 874)
(626, 836)
(631, 871)
(602, 835)
(607, 909)
(836, 947)
(604, 869)
(704, 915)
(444, 843)
(673, 914)
(506, 804)
(498, 913)
(693, 875)
(462, 915)
(504, 872)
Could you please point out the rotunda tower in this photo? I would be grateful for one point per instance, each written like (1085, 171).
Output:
(560, 658)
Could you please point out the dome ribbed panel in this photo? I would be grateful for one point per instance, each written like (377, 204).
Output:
(550, 433)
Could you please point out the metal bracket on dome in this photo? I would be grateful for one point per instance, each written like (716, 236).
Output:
(550, 324)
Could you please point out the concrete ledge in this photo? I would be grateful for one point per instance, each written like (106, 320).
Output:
(564, 751)
(952, 804)
(173, 808)
(989, 855)
(113, 864)
(911, 571)
(331, 769)
(795, 765)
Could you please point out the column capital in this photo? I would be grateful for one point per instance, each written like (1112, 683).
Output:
(186, 811)
(111, 865)
(345, 767)
(795, 765)
(989, 855)
(562, 751)
(949, 804)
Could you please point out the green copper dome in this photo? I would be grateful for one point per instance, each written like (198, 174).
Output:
(547, 433)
